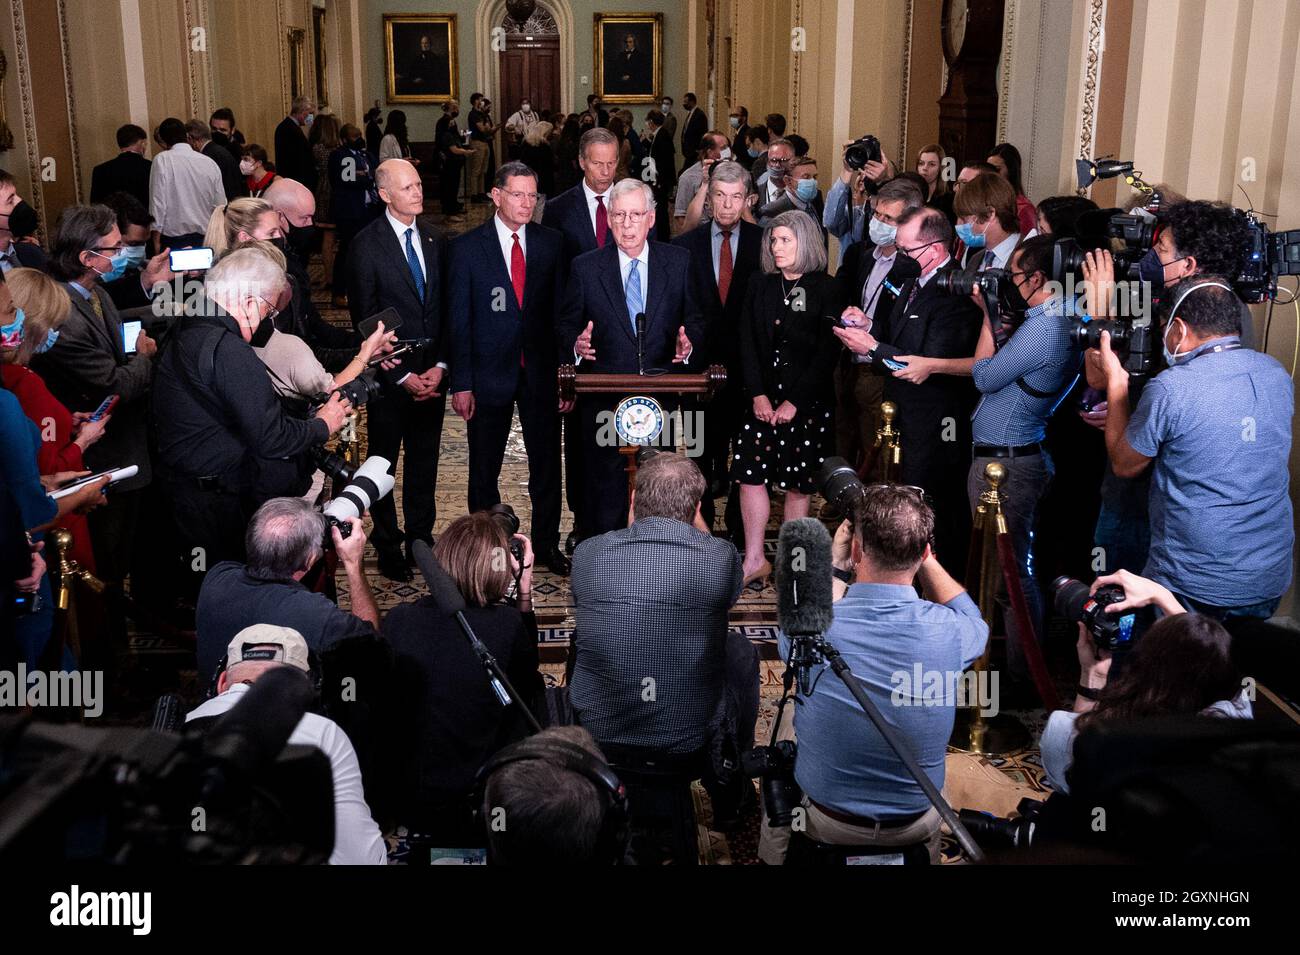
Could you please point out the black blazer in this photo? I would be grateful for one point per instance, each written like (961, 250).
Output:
(379, 278)
(125, 172)
(595, 294)
(809, 348)
(722, 323)
(348, 193)
(567, 213)
(486, 340)
(856, 268)
(693, 131)
(936, 325)
(665, 159)
(232, 182)
(293, 158)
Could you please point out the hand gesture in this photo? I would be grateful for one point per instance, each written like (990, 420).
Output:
(416, 385)
(462, 402)
(583, 345)
(380, 342)
(433, 380)
(1099, 282)
(763, 409)
(684, 346)
(857, 340)
(784, 413)
(157, 270)
(842, 546)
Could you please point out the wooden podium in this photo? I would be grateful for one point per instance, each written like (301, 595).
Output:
(571, 385)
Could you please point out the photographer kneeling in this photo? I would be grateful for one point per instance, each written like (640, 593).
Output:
(856, 789)
(1182, 666)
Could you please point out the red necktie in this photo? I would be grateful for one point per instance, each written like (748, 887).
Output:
(517, 277)
(602, 222)
(724, 266)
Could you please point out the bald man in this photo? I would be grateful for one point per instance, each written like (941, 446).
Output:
(399, 262)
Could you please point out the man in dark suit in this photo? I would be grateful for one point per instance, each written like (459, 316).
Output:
(927, 345)
(293, 158)
(694, 127)
(607, 290)
(662, 174)
(400, 262)
(724, 254)
(628, 70)
(200, 137)
(581, 215)
(128, 171)
(504, 285)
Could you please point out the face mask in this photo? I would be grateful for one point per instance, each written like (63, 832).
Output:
(726, 154)
(311, 117)
(220, 138)
(526, 108)
(117, 265)
(881, 233)
(805, 189)
(279, 243)
(246, 167)
(46, 345)
(966, 232)
(734, 121)
(11, 335)
(1171, 357)
(22, 220)
(1151, 270)
(300, 238)
(753, 153)
(135, 256)
(1011, 298)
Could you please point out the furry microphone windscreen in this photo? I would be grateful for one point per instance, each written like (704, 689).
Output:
(803, 577)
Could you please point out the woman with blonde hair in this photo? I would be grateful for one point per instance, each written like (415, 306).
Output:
(41, 305)
(241, 220)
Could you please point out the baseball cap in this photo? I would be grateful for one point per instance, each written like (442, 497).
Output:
(267, 642)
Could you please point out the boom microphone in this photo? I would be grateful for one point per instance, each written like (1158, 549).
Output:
(803, 584)
(442, 588)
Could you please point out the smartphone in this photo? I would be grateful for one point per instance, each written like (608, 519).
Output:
(105, 407)
(893, 365)
(390, 317)
(190, 260)
(130, 332)
(837, 321)
(119, 474)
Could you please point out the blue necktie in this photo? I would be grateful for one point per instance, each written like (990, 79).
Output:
(413, 263)
(635, 304)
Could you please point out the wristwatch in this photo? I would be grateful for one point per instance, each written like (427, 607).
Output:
(842, 574)
(1087, 692)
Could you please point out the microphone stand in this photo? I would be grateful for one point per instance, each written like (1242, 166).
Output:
(897, 744)
(505, 692)
(640, 343)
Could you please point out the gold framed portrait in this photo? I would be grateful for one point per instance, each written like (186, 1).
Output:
(628, 60)
(420, 57)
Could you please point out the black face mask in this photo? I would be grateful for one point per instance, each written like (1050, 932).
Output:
(1010, 298)
(300, 239)
(22, 220)
(220, 138)
(262, 334)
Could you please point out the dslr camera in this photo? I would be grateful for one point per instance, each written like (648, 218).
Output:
(358, 391)
(368, 484)
(774, 765)
(505, 517)
(1109, 631)
(992, 284)
(862, 151)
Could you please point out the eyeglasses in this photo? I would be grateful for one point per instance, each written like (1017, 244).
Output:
(632, 217)
(521, 196)
(919, 493)
(918, 248)
(274, 311)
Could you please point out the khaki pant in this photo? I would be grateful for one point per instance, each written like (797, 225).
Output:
(477, 166)
(859, 392)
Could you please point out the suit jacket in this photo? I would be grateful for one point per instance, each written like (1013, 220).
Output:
(670, 127)
(125, 172)
(29, 255)
(693, 130)
(379, 278)
(486, 341)
(859, 260)
(293, 158)
(595, 294)
(809, 348)
(86, 365)
(232, 182)
(567, 213)
(936, 325)
(665, 160)
(722, 322)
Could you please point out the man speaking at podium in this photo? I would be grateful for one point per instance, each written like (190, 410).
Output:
(598, 326)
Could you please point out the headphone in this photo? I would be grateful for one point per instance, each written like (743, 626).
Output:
(1189, 291)
(611, 842)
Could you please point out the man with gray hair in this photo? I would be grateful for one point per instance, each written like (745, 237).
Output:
(254, 651)
(284, 540)
(225, 442)
(629, 308)
(293, 158)
(651, 603)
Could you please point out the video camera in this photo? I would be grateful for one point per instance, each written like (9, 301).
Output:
(1109, 631)
(862, 151)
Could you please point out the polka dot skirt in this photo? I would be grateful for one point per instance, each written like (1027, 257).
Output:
(785, 456)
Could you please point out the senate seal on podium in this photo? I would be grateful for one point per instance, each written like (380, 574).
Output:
(639, 420)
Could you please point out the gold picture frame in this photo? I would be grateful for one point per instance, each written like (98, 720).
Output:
(297, 41)
(639, 77)
(414, 73)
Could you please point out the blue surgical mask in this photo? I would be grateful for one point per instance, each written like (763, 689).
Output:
(753, 153)
(310, 118)
(50, 339)
(966, 232)
(1171, 357)
(11, 335)
(881, 232)
(135, 256)
(805, 189)
(117, 265)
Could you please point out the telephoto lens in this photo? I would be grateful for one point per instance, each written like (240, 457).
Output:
(505, 516)
(841, 486)
(369, 484)
(1109, 631)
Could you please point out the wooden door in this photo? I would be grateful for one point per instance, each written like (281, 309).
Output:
(530, 68)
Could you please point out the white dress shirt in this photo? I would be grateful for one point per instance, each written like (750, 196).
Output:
(357, 840)
(184, 188)
(1001, 254)
(417, 242)
(506, 238)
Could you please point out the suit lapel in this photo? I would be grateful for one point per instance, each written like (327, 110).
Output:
(396, 247)
(100, 325)
(612, 278)
(492, 249)
(430, 250)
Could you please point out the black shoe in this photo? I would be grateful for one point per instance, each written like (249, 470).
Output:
(554, 560)
(571, 542)
(393, 566)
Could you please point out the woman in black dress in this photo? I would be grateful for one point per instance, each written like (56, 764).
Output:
(788, 354)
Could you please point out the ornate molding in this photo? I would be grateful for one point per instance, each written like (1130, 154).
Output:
(29, 114)
(282, 47)
(796, 61)
(907, 81)
(1031, 165)
(735, 53)
(65, 55)
(1091, 80)
(1009, 12)
(541, 23)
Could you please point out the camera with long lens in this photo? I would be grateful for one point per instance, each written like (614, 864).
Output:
(841, 486)
(774, 765)
(1109, 631)
(1014, 833)
(993, 285)
(358, 391)
(368, 484)
(1131, 341)
(862, 151)
(505, 517)
(1127, 236)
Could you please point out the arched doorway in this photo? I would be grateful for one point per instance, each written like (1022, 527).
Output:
(529, 66)
(495, 36)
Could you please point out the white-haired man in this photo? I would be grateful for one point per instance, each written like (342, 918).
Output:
(223, 436)
(608, 289)
(263, 647)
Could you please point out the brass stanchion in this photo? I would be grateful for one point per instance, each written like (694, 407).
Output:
(70, 572)
(887, 442)
(973, 731)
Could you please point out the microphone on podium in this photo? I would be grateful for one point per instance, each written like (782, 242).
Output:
(640, 343)
(803, 586)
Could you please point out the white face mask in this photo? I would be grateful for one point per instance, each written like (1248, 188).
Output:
(526, 108)
(726, 153)
(246, 167)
